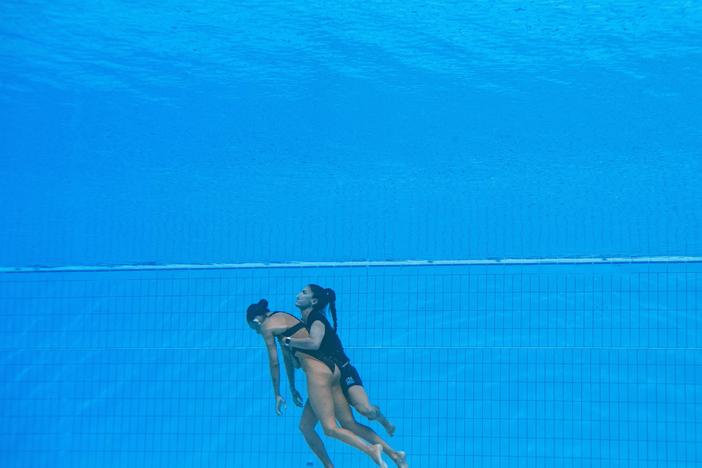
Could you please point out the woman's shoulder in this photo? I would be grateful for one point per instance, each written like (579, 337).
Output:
(280, 320)
(283, 316)
(315, 316)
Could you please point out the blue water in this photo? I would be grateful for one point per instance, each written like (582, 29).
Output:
(273, 131)
(494, 366)
(228, 132)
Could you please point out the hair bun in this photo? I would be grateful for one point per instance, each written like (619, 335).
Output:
(254, 310)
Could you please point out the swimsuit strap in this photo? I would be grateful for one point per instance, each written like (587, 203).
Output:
(281, 312)
(292, 330)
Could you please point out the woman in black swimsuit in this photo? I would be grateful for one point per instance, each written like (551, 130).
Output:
(312, 301)
(326, 401)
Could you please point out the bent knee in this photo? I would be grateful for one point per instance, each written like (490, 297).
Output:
(347, 423)
(331, 431)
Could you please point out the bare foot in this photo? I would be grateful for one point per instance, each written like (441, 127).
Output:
(389, 428)
(376, 453)
(400, 459)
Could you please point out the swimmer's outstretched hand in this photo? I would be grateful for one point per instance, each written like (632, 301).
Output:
(297, 398)
(280, 405)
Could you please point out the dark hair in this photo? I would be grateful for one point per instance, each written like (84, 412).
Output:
(325, 296)
(254, 310)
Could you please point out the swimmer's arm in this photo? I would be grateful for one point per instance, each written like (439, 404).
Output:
(289, 367)
(289, 359)
(273, 365)
(314, 340)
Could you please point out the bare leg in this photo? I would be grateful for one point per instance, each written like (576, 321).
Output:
(324, 390)
(347, 421)
(307, 423)
(359, 400)
(343, 412)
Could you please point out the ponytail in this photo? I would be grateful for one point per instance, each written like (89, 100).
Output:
(331, 295)
(325, 296)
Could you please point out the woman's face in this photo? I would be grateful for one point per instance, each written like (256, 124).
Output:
(305, 299)
(255, 324)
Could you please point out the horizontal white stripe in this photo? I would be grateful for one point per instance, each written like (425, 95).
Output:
(356, 264)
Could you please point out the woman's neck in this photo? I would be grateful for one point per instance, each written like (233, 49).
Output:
(306, 312)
